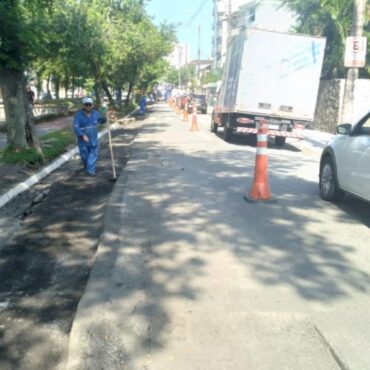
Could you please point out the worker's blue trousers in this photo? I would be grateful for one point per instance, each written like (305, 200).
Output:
(89, 156)
(142, 106)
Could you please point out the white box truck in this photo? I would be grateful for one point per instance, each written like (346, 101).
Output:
(269, 75)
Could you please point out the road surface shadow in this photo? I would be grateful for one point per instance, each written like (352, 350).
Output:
(45, 265)
(281, 245)
(354, 209)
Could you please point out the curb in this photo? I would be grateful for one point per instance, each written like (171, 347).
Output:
(66, 157)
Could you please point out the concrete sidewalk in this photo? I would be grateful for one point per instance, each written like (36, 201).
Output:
(316, 139)
(172, 286)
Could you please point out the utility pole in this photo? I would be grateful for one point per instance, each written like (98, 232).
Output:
(198, 69)
(180, 62)
(353, 73)
(229, 23)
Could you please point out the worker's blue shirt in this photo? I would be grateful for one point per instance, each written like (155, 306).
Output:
(88, 125)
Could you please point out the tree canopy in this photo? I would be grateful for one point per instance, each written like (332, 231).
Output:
(102, 45)
(331, 19)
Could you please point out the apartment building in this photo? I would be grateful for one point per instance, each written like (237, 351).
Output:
(232, 16)
(179, 56)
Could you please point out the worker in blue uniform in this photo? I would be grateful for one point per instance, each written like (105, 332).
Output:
(142, 103)
(85, 126)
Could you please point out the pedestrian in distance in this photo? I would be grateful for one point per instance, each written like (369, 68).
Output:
(30, 95)
(85, 126)
(142, 104)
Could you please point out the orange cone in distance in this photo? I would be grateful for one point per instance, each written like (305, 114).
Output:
(194, 122)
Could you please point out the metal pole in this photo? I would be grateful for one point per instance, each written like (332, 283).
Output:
(111, 148)
(353, 73)
(179, 65)
(229, 23)
(198, 71)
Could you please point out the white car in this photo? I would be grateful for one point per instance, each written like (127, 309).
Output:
(345, 162)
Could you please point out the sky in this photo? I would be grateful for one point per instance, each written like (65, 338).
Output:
(188, 15)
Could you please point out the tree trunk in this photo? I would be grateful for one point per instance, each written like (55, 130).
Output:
(66, 86)
(109, 95)
(97, 93)
(39, 86)
(130, 87)
(18, 110)
(119, 97)
(73, 86)
(57, 86)
(48, 87)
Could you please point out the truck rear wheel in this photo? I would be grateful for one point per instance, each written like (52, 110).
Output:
(280, 140)
(214, 126)
(227, 133)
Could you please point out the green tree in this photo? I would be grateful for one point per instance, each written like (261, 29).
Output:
(21, 34)
(183, 76)
(211, 76)
(71, 43)
(331, 19)
(63, 58)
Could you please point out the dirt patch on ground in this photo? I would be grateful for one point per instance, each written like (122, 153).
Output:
(49, 238)
(11, 175)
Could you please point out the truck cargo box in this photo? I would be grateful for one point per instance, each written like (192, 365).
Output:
(272, 75)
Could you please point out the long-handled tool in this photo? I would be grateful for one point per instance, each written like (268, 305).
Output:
(114, 179)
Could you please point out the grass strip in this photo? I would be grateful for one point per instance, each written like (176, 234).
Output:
(53, 144)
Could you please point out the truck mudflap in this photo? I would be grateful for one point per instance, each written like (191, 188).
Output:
(292, 134)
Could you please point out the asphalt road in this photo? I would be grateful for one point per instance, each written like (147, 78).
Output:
(190, 276)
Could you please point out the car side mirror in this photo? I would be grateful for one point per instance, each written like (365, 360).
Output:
(344, 129)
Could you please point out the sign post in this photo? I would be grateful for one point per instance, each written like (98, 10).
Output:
(356, 47)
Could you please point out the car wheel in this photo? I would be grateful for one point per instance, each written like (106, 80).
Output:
(329, 189)
(280, 140)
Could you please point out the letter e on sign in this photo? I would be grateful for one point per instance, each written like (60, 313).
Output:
(355, 55)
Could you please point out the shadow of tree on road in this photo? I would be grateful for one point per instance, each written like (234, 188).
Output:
(44, 267)
(175, 210)
(171, 211)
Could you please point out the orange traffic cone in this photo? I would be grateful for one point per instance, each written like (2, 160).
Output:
(260, 192)
(194, 122)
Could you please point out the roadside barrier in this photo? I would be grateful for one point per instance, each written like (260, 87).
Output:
(260, 192)
(295, 135)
